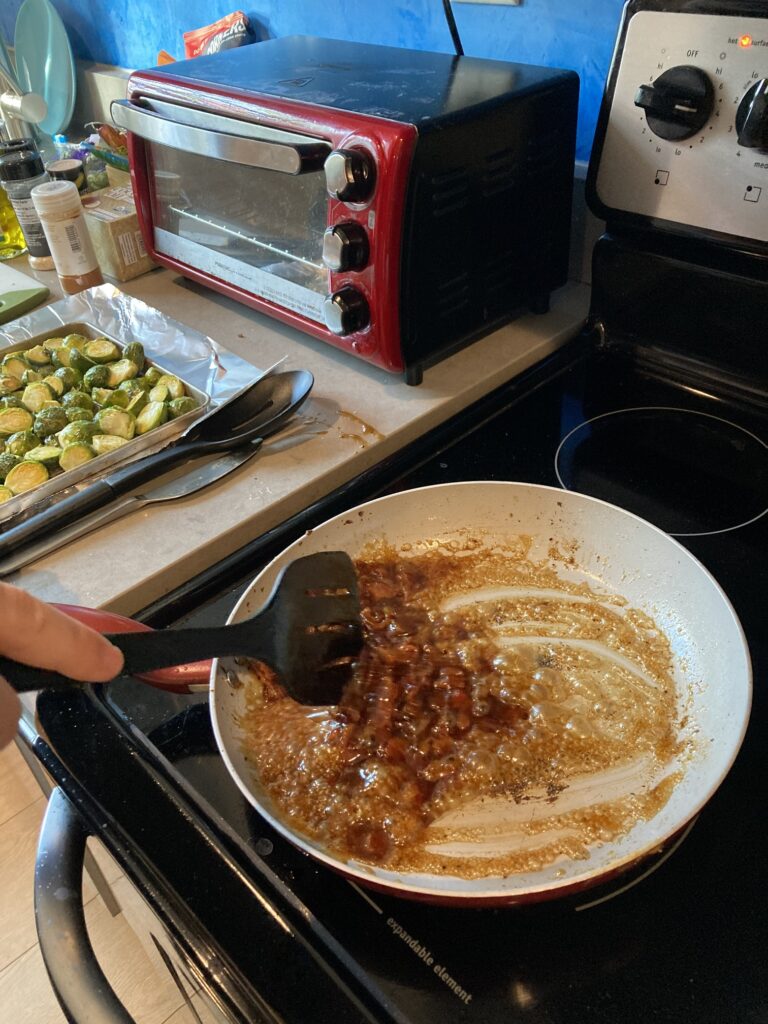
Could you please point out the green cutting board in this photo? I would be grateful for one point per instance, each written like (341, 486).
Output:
(18, 293)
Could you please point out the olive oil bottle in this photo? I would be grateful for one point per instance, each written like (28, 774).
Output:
(12, 241)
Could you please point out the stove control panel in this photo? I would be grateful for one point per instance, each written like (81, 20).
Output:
(686, 139)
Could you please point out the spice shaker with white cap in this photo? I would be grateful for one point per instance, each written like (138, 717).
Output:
(61, 214)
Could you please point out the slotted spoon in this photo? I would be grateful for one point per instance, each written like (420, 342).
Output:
(309, 632)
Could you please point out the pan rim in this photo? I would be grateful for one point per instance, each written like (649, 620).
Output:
(398, 883)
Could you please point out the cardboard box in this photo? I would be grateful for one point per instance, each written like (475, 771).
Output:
(114, 229)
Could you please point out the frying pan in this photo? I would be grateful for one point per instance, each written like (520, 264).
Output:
(610, 549)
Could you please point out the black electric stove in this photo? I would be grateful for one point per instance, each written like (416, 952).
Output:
(661, 407)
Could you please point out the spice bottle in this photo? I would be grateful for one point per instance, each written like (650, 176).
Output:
(61, 213)
(21, 169)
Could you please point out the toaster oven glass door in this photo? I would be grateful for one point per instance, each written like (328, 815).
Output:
(259, 229)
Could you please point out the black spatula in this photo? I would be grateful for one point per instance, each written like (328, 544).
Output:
(309, 632)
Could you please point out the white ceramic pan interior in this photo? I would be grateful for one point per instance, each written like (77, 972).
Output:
(612, 551)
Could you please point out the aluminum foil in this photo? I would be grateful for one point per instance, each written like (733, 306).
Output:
(202, 363)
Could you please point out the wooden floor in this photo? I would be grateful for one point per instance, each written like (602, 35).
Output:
(26, 996)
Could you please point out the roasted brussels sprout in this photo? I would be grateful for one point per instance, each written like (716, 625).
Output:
(135, 352)
(9, 384)
(11, 402)
(36, 395)
(50, 420)
(96, 377)
(159, 393)
(79, 361)
(68, 376)
(77, 341)
(116, 399)
(181, 406)
(75, 455)
(13, 420)
(48, 454)
(5, 494)
(122, 370)
(30, 377)
(7, 462)
(79, 432)
(25, 476)
(81, 399)
(174, 384)
(56, 384)
(76, 413)
(14, 366)
(52, 345)
(115, 421)
(151, 416)
(37, 356)
(137, 402)
(102, 444)
(22, 442)
(101, 350)
(61, 357)
(134, 385)
(153, 375)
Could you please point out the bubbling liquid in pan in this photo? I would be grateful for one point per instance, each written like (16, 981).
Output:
(498, 719)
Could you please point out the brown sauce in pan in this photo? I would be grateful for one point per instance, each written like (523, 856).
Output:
(485, 682)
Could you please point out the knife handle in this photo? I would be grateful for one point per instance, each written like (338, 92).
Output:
(39, 549)
(58, 515)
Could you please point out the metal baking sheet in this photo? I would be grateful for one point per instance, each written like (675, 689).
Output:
(210, 372)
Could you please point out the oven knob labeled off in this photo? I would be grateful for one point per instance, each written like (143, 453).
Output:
(349, 175)
(345, 247)
(346, 311)
(678, 104)
(752, 117)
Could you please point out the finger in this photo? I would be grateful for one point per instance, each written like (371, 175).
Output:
(37, 634)
(10, 709)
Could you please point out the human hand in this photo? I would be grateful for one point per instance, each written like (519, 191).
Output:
(37, 634)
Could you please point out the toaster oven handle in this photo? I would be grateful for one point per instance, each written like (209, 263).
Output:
(253, 149)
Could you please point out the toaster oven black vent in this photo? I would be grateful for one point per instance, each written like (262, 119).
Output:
(450, 193)
(499, 173)
(452, 296)
(543, 153)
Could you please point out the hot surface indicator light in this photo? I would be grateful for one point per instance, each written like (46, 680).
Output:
(745, 41)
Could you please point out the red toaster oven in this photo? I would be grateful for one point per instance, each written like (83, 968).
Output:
(397, 204)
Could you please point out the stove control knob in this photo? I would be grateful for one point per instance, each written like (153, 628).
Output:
(678, 104)
(349, 175)
(345, 247)
(752, 117)
(346, 311)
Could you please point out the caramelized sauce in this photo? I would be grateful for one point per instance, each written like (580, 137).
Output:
(498, 719)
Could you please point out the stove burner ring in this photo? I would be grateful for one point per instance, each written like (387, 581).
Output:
(688, 472)
(623, 883)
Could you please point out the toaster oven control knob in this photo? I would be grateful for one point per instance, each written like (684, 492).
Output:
(349, 175)
(345, 247)
(346, 311)
(752, 117)
(678, 104)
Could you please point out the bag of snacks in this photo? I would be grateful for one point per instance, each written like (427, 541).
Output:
(230, 31)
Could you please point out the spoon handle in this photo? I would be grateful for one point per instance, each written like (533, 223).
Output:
(58, 515)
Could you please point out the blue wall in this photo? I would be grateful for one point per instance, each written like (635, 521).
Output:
(575, 34)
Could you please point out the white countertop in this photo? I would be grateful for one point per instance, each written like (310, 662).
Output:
(356, 416)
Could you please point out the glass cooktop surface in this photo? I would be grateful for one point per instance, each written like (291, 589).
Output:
(683, 935)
